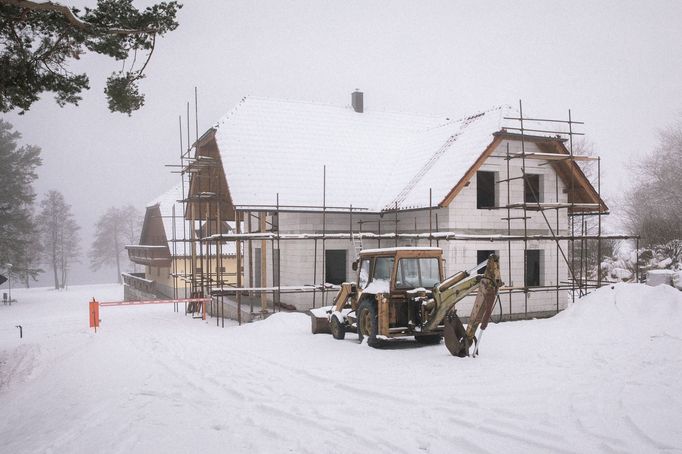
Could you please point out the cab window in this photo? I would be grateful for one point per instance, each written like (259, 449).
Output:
(363, 275)
(383, 266)
(417, 272)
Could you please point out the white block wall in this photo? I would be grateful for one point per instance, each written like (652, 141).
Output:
(297, 257)
(466, 217)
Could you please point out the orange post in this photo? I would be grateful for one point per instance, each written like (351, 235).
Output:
(94, 314)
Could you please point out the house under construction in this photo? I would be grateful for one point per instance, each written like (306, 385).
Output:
(307, 185)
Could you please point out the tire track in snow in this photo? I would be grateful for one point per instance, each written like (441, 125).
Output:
(334, 428)
(17, 364)
(641, 434)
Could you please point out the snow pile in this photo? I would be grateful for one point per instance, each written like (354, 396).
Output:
(603, 376)
(636, 309)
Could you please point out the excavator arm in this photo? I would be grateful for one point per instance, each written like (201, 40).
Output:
(441, 308)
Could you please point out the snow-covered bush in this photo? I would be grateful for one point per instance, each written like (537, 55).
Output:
(672, 253)
(622, 266)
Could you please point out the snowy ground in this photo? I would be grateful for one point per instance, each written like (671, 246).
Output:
(604, 376)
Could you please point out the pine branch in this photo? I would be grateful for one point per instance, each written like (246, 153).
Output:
(74, 20)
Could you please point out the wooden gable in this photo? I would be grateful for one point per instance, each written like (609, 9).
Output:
(153, 248)
(209, 194)
(578, 186)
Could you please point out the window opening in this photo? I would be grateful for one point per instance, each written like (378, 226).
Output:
(533, 266)
(531, 189)
(482, 256)
(335, 264)
(485, 189)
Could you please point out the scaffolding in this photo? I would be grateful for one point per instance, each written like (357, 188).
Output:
(200, 233)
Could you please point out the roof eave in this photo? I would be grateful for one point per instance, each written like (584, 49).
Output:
(528, 137)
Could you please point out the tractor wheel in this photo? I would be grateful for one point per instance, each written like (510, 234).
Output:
(428, 339)
(337, 328)
(368, 323)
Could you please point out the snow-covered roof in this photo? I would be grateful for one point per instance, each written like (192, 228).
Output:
(170, 205)
(373, 159)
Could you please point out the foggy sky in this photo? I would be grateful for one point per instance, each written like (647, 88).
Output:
(615, 64)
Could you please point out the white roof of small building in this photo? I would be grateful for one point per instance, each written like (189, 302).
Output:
(373, 159)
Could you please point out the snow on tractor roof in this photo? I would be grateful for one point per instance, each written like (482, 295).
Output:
(389, 250)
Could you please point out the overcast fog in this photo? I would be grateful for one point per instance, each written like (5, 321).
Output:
(615, 64)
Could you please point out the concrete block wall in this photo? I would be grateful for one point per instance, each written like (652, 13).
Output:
(465, 217)
(418, 221)
(463, 255)
(297, 257)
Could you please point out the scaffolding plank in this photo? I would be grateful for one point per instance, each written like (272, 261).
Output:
(546, 120)
(510, 179)
(534, 206)
(551, 156)
(453, 236)
(544, 131)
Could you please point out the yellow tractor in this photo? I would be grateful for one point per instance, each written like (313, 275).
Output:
(402, 292)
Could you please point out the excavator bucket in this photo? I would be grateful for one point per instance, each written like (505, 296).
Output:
(485, 298)
(455, 336)
(458, 340)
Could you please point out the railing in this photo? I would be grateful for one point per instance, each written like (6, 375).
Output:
(149, 255)
(137, 281)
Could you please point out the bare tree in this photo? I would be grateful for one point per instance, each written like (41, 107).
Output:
(653, 208)
(584, 254)
(59, 235)
(114, 230)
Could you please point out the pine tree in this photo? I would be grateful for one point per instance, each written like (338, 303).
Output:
(59, 233)
(41, 37)
(115, 229)
(18, 165)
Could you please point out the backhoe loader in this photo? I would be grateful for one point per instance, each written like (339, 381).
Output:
(402, 292)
